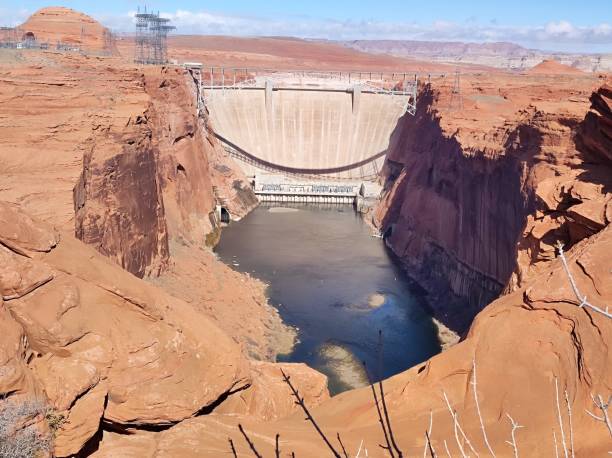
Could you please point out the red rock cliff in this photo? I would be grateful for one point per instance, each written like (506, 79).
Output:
(461, 184)
(150, 183)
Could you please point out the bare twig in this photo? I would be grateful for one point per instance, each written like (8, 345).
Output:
(428, 444)
(580, 297)
(300, 401)
(458, 429)
(482, 426)
(380, 418)
(515, 426)
(359, 449)
(603, 406)
(342, 446)
(251, 444)
(555, 441)
(448, 454)
(432, 454)
(232, 446)
(382, 394)
(571, 426)
(559, 418)
(277, 448)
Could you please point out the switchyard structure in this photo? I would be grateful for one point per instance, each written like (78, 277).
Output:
(14, 37)
(9, 37)
(456, 99)
(151, 40)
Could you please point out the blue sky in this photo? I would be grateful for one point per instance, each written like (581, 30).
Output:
(556, 25)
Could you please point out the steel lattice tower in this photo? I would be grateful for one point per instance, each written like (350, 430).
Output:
(456, 100)
(150, 42)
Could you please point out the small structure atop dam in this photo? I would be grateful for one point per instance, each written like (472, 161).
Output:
(307, 124)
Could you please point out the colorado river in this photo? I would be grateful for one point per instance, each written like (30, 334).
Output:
(337, 285)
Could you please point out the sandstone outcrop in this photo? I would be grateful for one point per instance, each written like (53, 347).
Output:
(103, 345)
(69, 27)
(465, 186)
(132, 170)
(523, 345)
(475, 200)
(552, 67)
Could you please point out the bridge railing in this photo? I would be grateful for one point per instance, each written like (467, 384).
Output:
(402, 87)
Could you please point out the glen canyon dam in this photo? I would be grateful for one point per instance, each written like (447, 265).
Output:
(286, 230)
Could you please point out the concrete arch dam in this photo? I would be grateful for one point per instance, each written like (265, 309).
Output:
(308, 125)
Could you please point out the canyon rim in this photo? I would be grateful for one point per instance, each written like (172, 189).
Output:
(123, 334)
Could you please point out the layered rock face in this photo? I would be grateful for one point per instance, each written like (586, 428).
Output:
(533, 356)
(119, 156)
(466, 178)
(100, 344)
(150, 184)
(69, 27)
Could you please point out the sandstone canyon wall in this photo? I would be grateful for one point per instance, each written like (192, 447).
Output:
(162, 366)
(535, 350)
(118, 156)
(466, 204)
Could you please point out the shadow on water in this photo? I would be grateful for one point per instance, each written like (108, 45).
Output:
(338, 285)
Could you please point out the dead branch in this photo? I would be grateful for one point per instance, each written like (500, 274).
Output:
(458, 429)
(251, 444)
(432, 454)
(559, 418)
(428, 444)
(380, 418)
(300, 401)
(359, 449)
(571, 426)
(382, 394)
(482, 426)
(515, 426)
(603, 406)
(277, 448)
(342, 445)
(580, 297)
(232, 446)
(555, 441)
(448, 454)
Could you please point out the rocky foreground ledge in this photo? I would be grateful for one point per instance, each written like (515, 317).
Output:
(120, 335)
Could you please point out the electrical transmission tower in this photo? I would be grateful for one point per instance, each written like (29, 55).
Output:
(109, 42)
(456, 100)
(151, 44)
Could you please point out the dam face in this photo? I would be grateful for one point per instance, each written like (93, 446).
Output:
(307, 126)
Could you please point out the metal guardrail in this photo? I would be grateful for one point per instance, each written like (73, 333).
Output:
(403, 87)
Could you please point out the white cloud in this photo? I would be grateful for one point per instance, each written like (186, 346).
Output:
(560, 28)
(556, 36)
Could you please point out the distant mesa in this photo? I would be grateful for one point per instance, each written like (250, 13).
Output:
(66, 26)
(552, 67)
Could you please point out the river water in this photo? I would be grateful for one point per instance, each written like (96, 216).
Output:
(338, 286)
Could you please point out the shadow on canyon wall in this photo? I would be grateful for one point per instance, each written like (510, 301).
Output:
(454, 215)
